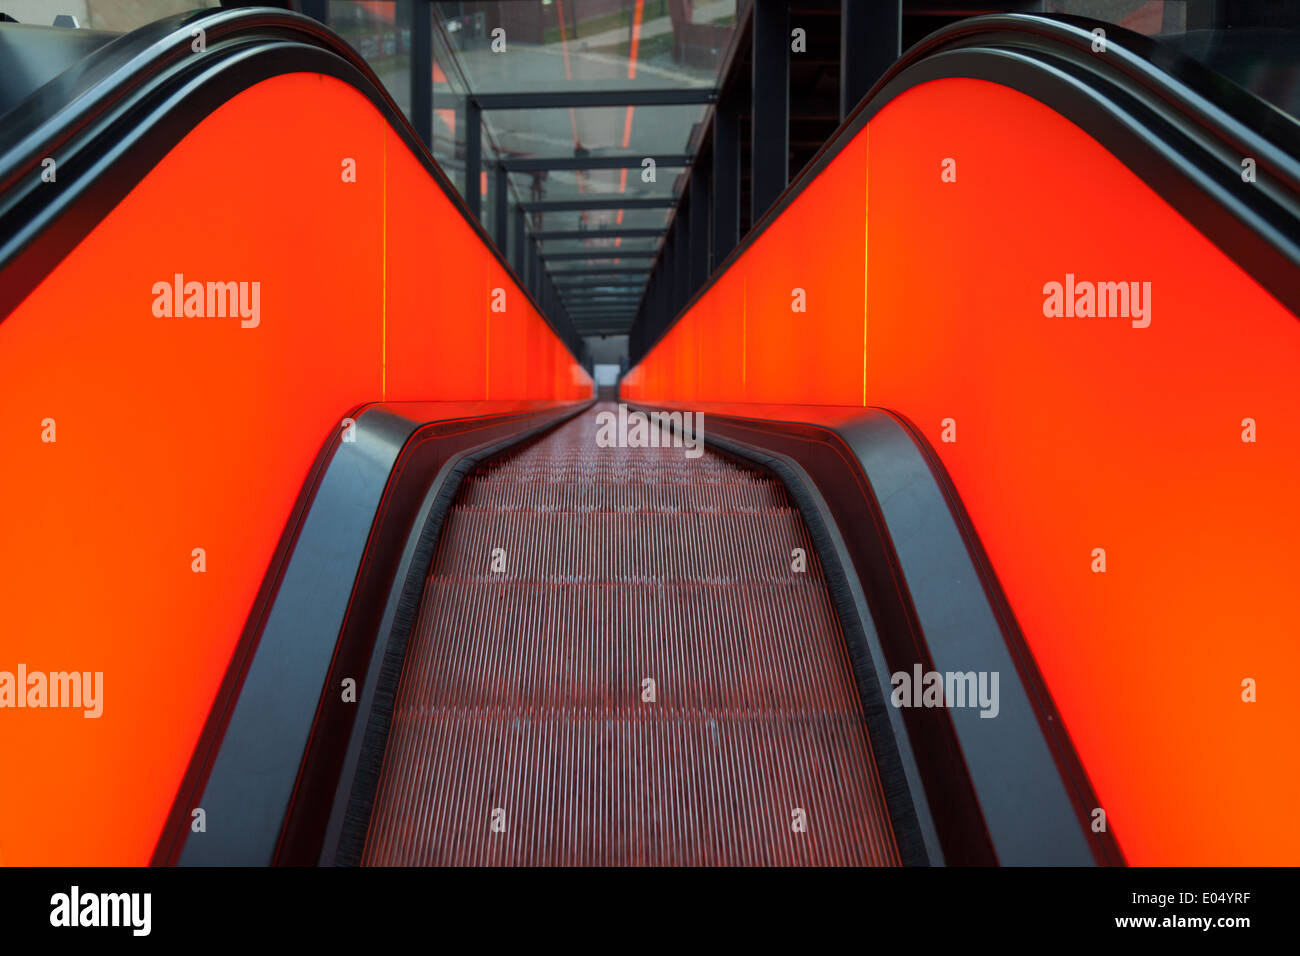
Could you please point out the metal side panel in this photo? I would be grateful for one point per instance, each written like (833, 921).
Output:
(319, 606)
(1003, 777)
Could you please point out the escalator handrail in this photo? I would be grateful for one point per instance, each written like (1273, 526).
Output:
(1144, 95)
(140, 94)
(1235, 116)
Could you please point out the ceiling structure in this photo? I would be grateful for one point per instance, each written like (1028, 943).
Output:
(590, 116)
(617, 152)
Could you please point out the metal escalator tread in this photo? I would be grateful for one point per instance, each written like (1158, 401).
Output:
(522, 690)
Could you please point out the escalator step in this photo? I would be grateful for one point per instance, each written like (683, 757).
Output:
(521, 733)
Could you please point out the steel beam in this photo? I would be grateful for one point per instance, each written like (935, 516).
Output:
(628, 273)
(586, 99)
(630, 161)
(681, 264)
(770, 129)
(701, 203)
(668, 268)
(725, 189)
(421, 70)
(566, 288)
(601, 234)
(474, 159)
(571, 205)
(598, 290)
(871, 39)
(602, 271)
(501, 210)
(517, 257)
(316, 9)
(613, 300)
(596, 254)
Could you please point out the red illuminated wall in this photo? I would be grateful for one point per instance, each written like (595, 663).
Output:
(182, 433)
(926, 298)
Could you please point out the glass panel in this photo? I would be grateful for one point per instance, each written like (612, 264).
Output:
(629, 272)
(602, 261)
(554, 184)
(602, 218)
(601, 245)
(1257, 46)
(373, 29)
(590, 44)
(640, 130)
(1169, 16)
(573, 295)
(119, 16)
(511, 228)
(599, 218)
(579, 46)
(449, 92)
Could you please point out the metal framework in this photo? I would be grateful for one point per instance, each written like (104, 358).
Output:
(579, 205)
(632, 291)
(600, 234)
(769, 141)
(596, 254)
(587, 99)
(642, 272)
(596, 299)
(533, 164)
(756, 93)
(737, 166)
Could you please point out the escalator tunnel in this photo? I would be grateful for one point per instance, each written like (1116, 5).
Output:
(370, 588)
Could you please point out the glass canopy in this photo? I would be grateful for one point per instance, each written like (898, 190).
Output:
(578, 47)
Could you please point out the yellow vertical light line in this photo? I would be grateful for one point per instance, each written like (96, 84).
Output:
(744, 337)
(383, 280)
(698, 352)
(866, 258)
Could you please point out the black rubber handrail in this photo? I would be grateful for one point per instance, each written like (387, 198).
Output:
(109, 120)
(1236, 117)
(1181, 127)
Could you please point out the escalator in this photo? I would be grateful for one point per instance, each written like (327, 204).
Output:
(642, 679)
(430, 618)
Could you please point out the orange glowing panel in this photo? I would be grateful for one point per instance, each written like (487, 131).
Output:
(795, 284)
(1073, 434)
(181, 433)
(451, 299)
